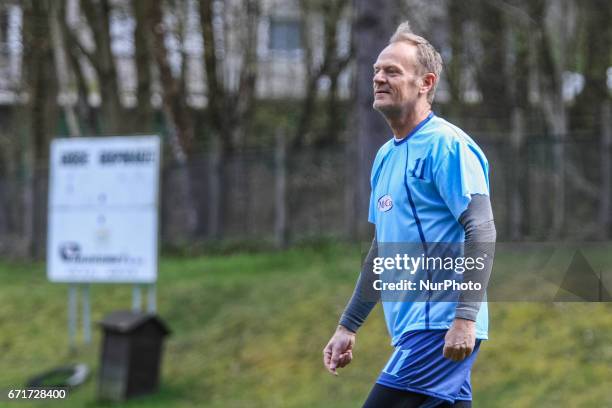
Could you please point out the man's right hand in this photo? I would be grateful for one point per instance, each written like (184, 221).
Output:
(339, 350)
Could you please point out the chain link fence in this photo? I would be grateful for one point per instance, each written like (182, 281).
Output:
(260, 196)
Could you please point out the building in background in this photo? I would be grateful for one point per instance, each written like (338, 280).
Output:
(281, 57)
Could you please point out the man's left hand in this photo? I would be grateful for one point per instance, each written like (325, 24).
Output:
(460, 339)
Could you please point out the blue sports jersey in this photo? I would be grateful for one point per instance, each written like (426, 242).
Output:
(420, 187)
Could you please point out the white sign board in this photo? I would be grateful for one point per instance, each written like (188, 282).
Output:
(103, 209)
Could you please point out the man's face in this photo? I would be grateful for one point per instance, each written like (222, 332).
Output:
(396, 79)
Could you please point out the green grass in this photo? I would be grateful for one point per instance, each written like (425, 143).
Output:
(248, 330)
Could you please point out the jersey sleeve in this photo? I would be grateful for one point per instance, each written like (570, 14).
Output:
(461, 172)
(372, 210)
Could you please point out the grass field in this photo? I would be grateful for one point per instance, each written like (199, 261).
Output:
(248, 330)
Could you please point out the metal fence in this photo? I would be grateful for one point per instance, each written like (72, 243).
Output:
(308, 194)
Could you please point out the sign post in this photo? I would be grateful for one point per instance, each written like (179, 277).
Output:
(86, 315)
(72, 315)
(152, 299)
(103, 218)
(136, 298)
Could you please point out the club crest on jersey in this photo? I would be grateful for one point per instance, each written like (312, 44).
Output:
(385, 203)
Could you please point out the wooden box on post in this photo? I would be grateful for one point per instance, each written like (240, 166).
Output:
(131, 354)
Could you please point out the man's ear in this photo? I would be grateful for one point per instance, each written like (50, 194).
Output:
(428, 80)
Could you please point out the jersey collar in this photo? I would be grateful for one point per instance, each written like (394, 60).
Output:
(416, 129)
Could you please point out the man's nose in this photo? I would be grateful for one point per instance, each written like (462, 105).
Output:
(379, 78)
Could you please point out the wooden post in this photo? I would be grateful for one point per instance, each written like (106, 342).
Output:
(605, 217)
(280, 190)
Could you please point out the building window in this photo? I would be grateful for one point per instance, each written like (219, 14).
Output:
(284, 35)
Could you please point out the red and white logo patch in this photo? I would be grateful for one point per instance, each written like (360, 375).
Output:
(385, 203)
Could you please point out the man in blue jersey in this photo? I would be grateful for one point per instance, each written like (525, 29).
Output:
(430, 197)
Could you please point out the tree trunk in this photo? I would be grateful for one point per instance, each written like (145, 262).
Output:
(280, 196)
(331, 66)
(492, 73)
(84, 111)
(605, 208)
(372, 29)
(38, 115)
(516, 172)
(550, 69)
(597, 15)
(180, 128)
(229, 110)
(174, 104)
(216, 176)
(62, 66)
(97, 14)
(454, 70)
(144, 118)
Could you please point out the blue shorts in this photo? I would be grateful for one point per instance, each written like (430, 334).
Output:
(417, 365)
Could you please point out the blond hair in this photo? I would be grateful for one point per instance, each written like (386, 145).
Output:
(427, 57)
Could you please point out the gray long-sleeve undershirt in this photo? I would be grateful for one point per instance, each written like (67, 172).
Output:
(480, 234)
(360, 305)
